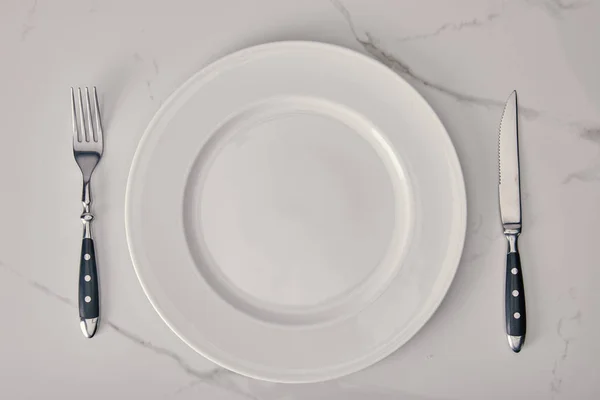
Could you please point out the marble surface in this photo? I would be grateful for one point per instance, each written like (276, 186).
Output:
(463, 56)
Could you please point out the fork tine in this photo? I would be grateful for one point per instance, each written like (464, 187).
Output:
(84, 133)
(76, 135)
(88, 109)
(98, 120)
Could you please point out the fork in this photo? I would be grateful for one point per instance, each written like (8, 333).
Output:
(88, 146)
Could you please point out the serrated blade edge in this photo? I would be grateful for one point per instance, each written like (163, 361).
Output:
(509, 191)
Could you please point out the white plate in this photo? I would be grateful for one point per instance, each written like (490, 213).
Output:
(295, 212)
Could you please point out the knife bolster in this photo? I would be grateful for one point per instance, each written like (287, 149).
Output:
(512, 233)
(512, 242)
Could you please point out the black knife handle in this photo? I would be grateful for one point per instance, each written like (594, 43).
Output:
(89, 302)
(516, 316)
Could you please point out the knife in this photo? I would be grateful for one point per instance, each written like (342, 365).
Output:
(509, 192)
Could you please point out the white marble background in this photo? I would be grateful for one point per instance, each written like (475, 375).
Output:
(463, 56)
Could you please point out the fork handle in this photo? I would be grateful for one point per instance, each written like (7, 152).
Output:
(89, 301)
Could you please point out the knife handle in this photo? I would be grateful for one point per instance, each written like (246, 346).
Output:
(516, 316)
(89, 301)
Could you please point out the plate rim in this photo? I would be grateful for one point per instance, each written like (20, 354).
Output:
(443, 280)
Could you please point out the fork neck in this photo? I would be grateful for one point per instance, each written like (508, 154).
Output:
(86, 215)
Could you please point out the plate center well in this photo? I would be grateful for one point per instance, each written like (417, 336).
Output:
(293, 204)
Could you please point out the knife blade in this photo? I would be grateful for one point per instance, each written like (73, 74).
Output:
(509, 192)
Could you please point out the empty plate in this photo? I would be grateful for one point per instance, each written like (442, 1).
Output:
(295, 212)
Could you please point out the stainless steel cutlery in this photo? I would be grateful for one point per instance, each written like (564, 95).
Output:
(88, 145)
(509, 192)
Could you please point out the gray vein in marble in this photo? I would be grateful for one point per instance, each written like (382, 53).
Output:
(342, 388)
(573, 293)
(451, 26)
(33, 8)
(213, 377)
(183, 389)
(27, 26)
(469, 258)
(482, 247)
(338, 388)
(476, 223)
(556, 383)
(574, 5)
(26, 31)
(591, 134)
(162, 351)
(474, 227)
(231, 388)
(371, 46)
(138, 59)
(477, 246)
(591, 173)
(38, 286)
(557, 7)
(150, 94)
